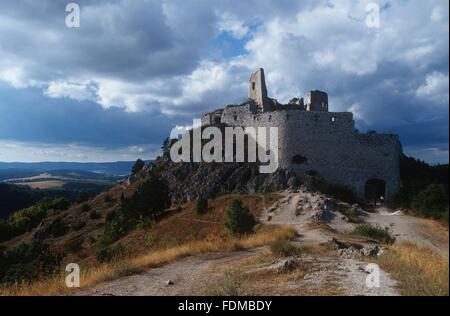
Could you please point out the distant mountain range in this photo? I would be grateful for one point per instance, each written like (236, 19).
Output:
(21, 169)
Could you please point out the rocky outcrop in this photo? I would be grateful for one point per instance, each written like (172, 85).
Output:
(350, 251)
(191, 181)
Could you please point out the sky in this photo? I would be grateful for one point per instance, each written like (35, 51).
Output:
(115, 87)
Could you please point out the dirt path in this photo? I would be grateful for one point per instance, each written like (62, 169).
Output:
(425, 232)
(190, 276)
(421, 231)
(197, 275)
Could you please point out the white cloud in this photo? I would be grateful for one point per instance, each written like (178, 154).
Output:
(37, 152)
(435, 87)
(165, 71)
(324, 58)
(75, 90)
(436, 14)
(14, 76)
(234, 25)
(418, 53)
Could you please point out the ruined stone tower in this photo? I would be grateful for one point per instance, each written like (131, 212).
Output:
(258, 90)
(317, 101)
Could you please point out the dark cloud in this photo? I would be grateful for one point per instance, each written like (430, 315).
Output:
(137, 68)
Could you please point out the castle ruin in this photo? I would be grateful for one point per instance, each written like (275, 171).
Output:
(313, 139)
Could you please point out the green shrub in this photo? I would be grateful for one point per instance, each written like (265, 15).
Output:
(138, 165)
(240, 220)
(424, 188)
(91, 239)
(144, 223)
(150, 199)
(57, 204)
(108, 254)
(445, 216)
(74, 245)
(7, 231)
(57, 228)
(108, 198)
(146, 205)
(375, 232)
(94, 215)
(352, 215)
(28, 262)
(85, 208)
(116, 227)
(201, 206)
(25, 220)
(431, 202)
(79, 225)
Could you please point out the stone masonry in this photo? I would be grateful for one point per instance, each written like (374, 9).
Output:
(313, 139)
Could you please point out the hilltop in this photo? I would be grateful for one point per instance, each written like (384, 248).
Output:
(125, 230)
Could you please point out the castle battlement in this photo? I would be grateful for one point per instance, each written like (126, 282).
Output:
(327, 142)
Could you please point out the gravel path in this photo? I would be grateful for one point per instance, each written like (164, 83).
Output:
(421, 231)
(188, 276)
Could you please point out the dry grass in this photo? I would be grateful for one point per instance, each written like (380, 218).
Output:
(187, 226)
(419, 270)
(229, 284)
(101, 273)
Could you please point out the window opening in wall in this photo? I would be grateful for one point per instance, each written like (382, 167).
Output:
(253, 85)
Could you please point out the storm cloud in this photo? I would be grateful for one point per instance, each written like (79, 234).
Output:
(135, 69)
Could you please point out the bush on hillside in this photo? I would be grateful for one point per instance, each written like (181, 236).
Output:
(108, 254)
(108, 198)
(146, 205)
(116, 227)
(150, 199)
(431, 202)
(375, 232)
(138, 166)
(25, 220)
(240, 220)
(28, 262)
(57, 228)
(94, 215)
(424, 188)
(201, 206)
(85, 208)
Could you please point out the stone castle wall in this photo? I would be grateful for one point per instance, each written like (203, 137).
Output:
(328, 143)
